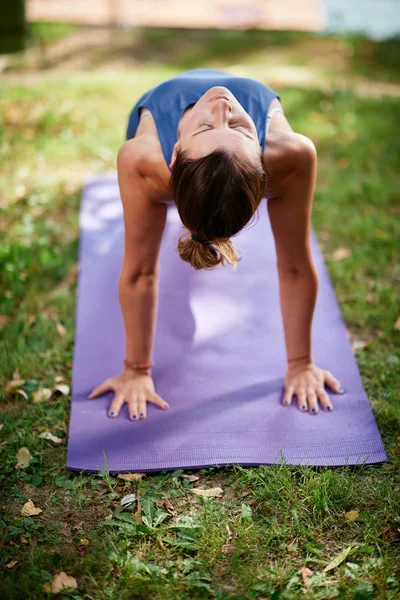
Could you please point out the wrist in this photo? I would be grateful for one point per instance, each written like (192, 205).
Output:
(300, 362)
(137, 372)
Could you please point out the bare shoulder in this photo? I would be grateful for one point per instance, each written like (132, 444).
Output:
(142, 155)
(134, 153)
(285, 153)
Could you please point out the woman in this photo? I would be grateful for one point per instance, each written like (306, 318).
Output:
(199, 139)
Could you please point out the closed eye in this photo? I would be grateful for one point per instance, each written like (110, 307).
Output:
(234, 125)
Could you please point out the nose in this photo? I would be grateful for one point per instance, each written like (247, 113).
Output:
(220, 106)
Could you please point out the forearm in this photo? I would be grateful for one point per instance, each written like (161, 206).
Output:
(298, 294)
(139, 302)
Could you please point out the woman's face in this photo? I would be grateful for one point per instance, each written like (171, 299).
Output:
(217, 120)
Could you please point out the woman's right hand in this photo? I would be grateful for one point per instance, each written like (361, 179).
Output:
(133, 388)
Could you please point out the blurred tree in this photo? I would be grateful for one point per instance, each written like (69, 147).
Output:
(13, 29)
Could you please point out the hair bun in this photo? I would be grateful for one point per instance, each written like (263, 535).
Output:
(208, 254)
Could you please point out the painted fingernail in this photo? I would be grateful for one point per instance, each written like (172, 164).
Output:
(134, 416)
(141, 414)
(303, 407)
(328, 408)
(341, 390)
(112, 414)
(313, 409)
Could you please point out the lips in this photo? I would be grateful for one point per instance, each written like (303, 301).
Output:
(220, 96)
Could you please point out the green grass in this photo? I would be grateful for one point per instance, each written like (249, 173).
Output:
(272, 522)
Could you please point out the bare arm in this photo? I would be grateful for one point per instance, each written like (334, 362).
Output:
(290, 216)
(138, 280)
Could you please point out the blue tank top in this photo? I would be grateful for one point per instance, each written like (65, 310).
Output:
(168, 101)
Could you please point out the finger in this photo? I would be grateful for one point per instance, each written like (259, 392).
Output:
(302, 401)
(312, 402)
(101, 389)
(333, 382)
(116, 405)
(156, 399)
(325, 400)
(133, 409)
(287, 397)
(142, 407)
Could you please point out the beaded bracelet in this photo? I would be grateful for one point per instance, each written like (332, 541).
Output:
(138, 365)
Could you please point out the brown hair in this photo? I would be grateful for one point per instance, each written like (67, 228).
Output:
(216, 196)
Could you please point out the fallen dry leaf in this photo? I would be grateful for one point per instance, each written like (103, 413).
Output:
(61, 329)
(11, 564)
(164, 502)
(191, 477)
(63, 388)
(13, 384)
(21, 393)
(358, 345)
(128, 499)
(59, 378)
(29, 509)
(341, 253)
(338, 559)
(62, 581)
(23, 457)
(31, 319)
(305, 574)
(130, 476)
(397, 324)
(4, 320)
(353, 514)
(228, 549)
(211, 492)
(42, 394)
(46, 435)
(65, 531)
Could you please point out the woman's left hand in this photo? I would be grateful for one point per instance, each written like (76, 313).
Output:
(307, 383)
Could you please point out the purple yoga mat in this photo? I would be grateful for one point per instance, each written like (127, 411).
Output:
(220, 359)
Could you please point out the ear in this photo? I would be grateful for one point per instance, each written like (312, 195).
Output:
(174, 153)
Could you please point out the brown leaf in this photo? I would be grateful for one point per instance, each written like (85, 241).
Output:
(211, 492)
(341, 253)
(4, 320)
(164, 502)
(228, 549)
(62, 581)
(353, 514)
(29, 509)
(65, 531)
(13, 384)
(397, 324)
(23, 457)
(61, 329)
(305, 574)
(11, 564)
(130, 476)
(42, 394)
(59, 378)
